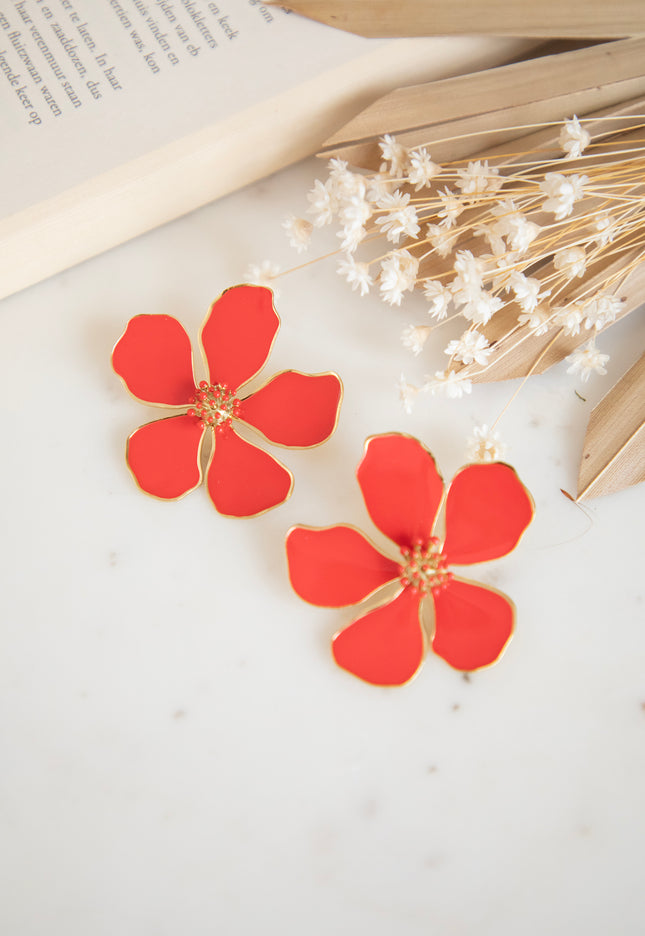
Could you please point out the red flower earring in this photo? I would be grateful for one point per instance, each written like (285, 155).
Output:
(487, 510)
(292, 409)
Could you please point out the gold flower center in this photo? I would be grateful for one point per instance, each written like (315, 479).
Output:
(425, 567)
(215, 405)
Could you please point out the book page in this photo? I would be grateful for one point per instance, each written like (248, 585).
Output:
(88, 84)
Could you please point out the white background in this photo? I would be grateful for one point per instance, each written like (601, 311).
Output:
(180, 753)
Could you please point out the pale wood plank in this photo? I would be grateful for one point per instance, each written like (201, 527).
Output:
(547, 18)
(487, 132)
(449, 100)
(613, 455)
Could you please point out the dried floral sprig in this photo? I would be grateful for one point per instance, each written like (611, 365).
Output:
(534, 243)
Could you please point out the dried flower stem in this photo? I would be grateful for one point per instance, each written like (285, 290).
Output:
(530, 373)
(534, 239)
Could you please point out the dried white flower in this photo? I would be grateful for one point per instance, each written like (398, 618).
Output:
(571, 261)
(514, 226)
(407, 393)
(401, 217)
(485, 446)
(355, 210)
(471, 348)
(478, 177)
(526, 289)
(574, 139)
(587, 361)
(562, 193)
(537, 320)
(606, 227)
(392, 201)
(569, 318)
(344, 184)
(351, 237)
(452, 207)
(356, 274)
(468, 290)
(298, 231)
(349, 189)
(494, 239)
(337, 167)
(421, 168)
(380, 185)
(398, 273)
(263, 274)
(499, 274)
(415, 336)
(440, 299)
(470, 271)
(449, 384)
(521, 234)
(442, 239)
(322, 204)
(481, 306)
(601, 310)
(395, 154)
(338, 171)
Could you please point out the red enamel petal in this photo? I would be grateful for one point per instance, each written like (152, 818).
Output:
(487, 510)
(295, 409)
(164, 456)
(386, 646)
(335, 566)
(243, 480)
(401, 487)
(472, 624)
(154, 358)
(238, 334)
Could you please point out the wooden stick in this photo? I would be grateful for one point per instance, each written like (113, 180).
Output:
(613, 456)
(593, 19)
(545, 143)
(542, 89)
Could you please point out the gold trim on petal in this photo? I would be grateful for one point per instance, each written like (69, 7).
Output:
(273, 340)
(522, 534)
(403, 435)
(296, 448)
(199, 461)
(260, 512)
(165, 406)
(486, 587)
(349, 526)
(424, 653)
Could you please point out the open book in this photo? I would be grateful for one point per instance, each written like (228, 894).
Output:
(119, 115)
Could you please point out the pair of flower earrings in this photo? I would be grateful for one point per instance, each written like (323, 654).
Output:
(486, 508)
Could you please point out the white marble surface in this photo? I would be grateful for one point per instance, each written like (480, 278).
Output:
(180, 754)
